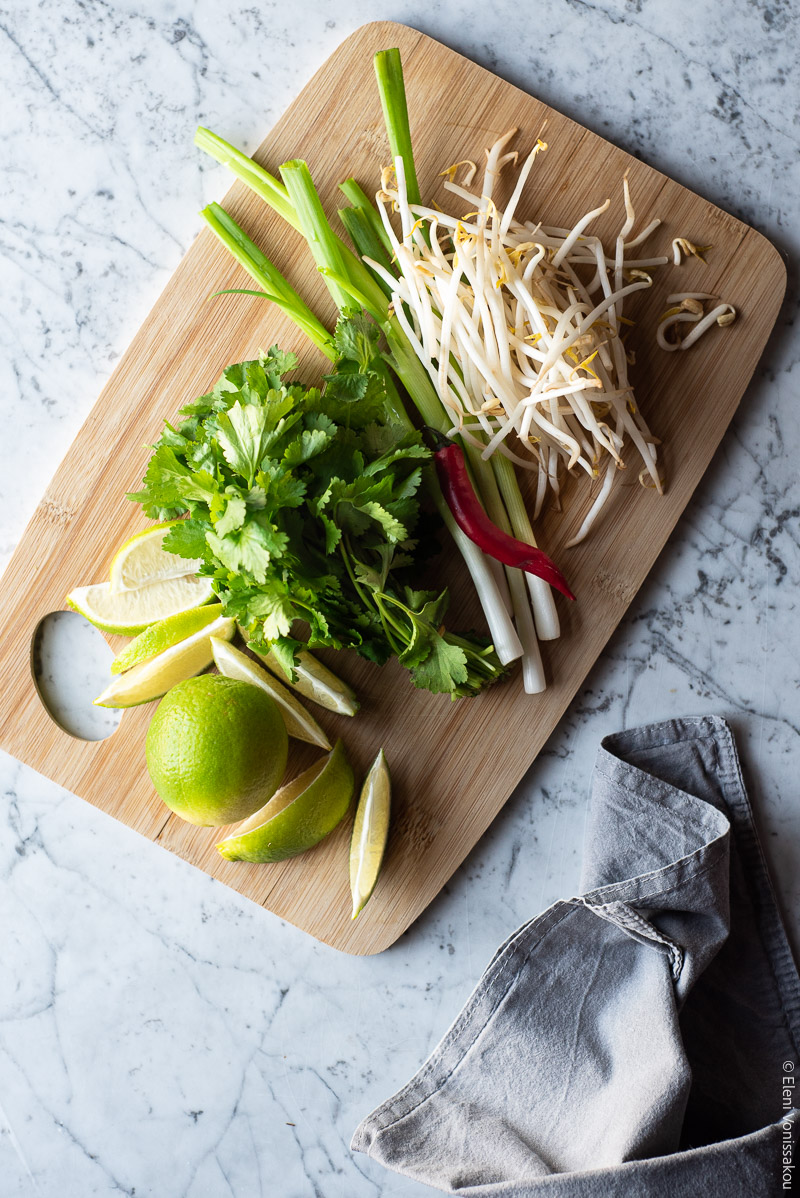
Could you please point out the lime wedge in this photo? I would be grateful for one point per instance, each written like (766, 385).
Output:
(298, 816)
(299, 723)
(154, 677)
(163, 635)
(370, 832)
(314, 681)
(130, 612)
(141, 560)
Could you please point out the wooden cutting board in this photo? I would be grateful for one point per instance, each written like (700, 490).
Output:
(453, 764)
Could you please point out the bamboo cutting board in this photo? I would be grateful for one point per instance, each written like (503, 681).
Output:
(443, 798)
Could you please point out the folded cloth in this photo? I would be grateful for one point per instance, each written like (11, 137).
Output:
(640, 1039)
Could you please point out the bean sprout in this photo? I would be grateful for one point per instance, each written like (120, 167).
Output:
(519, 326)
(687, 308)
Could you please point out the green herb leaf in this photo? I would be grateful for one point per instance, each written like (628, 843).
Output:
(187, 539)
(163, 480)
(444, 667)
(233, 516)
(249, 550)
(241, 430)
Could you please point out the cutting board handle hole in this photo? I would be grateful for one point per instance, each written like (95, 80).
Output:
(70, 663)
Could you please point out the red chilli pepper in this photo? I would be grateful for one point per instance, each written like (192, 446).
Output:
(473, 521)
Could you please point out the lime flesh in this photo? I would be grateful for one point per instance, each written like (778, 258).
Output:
(130, 612)
(141, 560)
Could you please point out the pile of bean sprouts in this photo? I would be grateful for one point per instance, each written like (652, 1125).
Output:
(520, 325)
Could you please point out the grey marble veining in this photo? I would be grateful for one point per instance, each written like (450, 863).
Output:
(158, 1034)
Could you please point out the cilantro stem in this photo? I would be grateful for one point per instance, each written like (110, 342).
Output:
(345, 552)
(380, 597)
(368, 596)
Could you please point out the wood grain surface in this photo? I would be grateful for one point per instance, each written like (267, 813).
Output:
(444, 798)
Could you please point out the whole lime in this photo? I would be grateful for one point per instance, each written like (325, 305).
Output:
(216, 749)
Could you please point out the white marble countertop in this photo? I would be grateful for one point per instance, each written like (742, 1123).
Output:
(160, 1035)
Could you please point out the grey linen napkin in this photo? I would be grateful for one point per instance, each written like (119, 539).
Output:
(640, 1039)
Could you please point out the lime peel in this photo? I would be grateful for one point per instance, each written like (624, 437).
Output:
(216, 749)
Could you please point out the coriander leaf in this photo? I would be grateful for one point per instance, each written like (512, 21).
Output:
(174, 438)
(256, 497)
(405, 511)
(410, 484)
(200, 486)
(273, 608)
(241, 430)
(333, 535)
(311, 442)
(233, 516)
(356, 340)
(443, 669)
(200, 456)
(319, 420)
(393, 529)
(279, 489)
(162, 483)
(348, 385)
(285, 651)
(250, 549)
(199, 407)
(396, 454)
(375, 575)
(187, 539)
(427, 606)
(277, 362)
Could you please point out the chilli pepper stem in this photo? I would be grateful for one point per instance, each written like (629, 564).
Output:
(451, 469)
